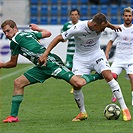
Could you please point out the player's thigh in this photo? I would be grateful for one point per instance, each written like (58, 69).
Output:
(117, 67)
(101, 64)
(81, 67)
(129, 68)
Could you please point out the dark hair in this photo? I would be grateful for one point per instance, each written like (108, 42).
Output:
(11, 23)
(99, 18)
(74, 9)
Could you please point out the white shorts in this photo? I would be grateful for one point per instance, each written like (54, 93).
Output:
(118, 66)
(86, 64)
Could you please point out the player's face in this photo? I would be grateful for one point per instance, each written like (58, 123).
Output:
(128, 18)
(9, 32)
(74, 17)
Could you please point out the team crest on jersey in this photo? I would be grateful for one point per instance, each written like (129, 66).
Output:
(125, 38)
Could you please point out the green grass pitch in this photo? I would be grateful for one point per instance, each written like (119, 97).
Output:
(50, 108)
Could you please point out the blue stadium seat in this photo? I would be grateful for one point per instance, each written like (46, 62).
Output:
(74, 7)
(104, 9)
(94, 9)
(84, 10)
(63, 20)
(114, 9)
(84, 2)
(44, 2)
(114, 20)
(44, 10)
(43, 20)
(34, 2)
(64, 10)
(73, 1)
(33, 10)
(121, 21)
(122, 8)
(54, 1)
(34, 20)
(64, 2)
(104, 2)
(84, 18)
(54, 10)
(54, 20)
(131, 2)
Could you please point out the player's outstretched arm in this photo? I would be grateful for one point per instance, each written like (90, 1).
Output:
(114, 27)
(45, 33)
(11, 63)
(54, 42)
(108, 48)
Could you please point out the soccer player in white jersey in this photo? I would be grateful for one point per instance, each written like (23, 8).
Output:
(89, 56)
(124, 48)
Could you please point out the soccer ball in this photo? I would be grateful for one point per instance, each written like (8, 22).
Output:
(112, 112)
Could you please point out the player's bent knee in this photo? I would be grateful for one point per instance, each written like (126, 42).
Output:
(17, 83)
(114, 75)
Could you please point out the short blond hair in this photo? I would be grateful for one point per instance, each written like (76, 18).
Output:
(128, 9)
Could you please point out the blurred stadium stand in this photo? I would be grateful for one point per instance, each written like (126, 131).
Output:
(57, 11)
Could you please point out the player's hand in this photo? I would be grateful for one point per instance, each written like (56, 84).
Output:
(117, 28)
(42, 60)
(107, 56)
(34, 27)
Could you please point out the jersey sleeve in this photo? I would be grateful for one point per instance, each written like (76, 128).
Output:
(114, 36)
(69, 33)
(15, 48)
(37, 34)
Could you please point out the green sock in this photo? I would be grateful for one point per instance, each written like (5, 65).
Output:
(16, 100)
(91, 77)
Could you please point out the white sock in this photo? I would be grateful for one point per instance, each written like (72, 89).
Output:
(117, 92)
(79, 98)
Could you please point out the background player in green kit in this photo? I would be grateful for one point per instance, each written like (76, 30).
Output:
(27, 44)
(74, 16)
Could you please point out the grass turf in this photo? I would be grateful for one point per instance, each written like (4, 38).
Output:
(49, 107)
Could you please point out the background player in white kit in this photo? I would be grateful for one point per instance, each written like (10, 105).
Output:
(124, 49)
(89, 56)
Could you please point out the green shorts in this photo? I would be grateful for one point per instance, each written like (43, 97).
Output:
(69, 61)
(54, 68)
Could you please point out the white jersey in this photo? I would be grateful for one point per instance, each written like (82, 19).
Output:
(124, 43)
(86, 40)
(88, 54)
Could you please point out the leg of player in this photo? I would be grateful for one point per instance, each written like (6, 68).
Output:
(117, 92)
(78, 95)
(79, 99)
(131, 81)
(114, 99)
(17, 98)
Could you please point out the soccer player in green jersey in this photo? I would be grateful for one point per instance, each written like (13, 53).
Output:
(27, 44)
(74, 16)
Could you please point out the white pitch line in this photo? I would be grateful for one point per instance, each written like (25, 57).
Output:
(14, 73)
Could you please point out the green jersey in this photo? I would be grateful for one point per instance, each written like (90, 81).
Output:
(27, 44)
